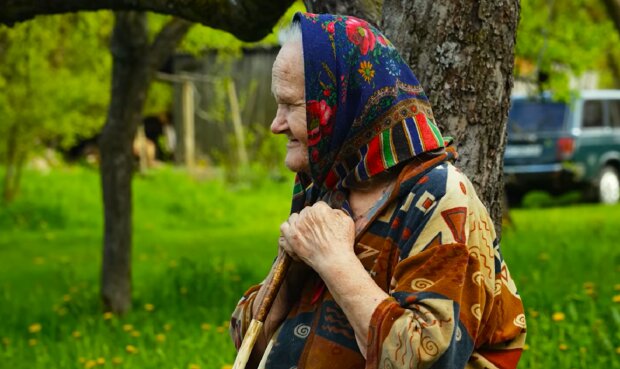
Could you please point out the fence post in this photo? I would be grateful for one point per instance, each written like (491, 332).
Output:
(188, 123)
(237, 125)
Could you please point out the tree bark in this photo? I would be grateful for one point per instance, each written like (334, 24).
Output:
(463, 54)
(249, 20)
(134, 64)
(462, 51)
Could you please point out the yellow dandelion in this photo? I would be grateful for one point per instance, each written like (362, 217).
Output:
(590, 292)
(100, 361)
(227, 366)
(135, 334)
(562, 347)
(127, 327)
(193, 366)
(558, 317)
(617, 286)
(90, 364)
(183, 290)
(618, 350)
(81, 360)
(588, 285)
(149, 307)
(526, 347)
(205, 326)
(533, 313)
(366, 71)
(32, 342)
(160, 338)
(34, 328)
(108, 315)
(221, 329)
(117, 360)
(76, 334)
(66, 298)
(167, 327)
(6, 341)
(131, 349)
(616, 298)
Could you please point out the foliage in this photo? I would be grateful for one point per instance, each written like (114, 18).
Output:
(200, 243)
(55, 73)
(563, 38)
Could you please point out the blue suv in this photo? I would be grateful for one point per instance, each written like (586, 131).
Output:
(561, 146)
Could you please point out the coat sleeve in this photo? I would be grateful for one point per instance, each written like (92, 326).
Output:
(451, 296)
(242, 315)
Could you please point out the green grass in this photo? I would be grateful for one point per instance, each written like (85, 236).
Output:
(197, 246)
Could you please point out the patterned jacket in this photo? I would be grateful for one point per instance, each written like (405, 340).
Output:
(452, 301)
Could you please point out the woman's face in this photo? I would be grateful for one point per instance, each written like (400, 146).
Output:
(287, 85)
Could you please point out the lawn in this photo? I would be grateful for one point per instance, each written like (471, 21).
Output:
(199, 243)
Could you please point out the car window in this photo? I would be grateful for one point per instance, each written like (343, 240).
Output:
(614, 113)
(593, 114)
(532, 116)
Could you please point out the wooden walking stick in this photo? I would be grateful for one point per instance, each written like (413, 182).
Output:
(256, 325)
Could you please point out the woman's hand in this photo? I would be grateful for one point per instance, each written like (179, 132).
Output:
(319, 236)
(288, 294)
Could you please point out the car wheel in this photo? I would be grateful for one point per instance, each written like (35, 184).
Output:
(609, 186)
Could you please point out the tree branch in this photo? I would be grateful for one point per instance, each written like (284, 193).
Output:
(249, 20)
(166, 41)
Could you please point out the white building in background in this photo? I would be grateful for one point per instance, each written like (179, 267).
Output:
(586, 81)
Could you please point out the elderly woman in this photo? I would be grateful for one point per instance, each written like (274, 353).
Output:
(397, 262)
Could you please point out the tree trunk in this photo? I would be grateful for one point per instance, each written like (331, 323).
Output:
(462, 51)
(134, 63)
(130, 77)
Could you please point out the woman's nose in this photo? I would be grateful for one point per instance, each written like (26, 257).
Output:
(279, 124)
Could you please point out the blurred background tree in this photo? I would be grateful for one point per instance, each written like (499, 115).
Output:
(558, 40)
(136, 58)
(54, 80)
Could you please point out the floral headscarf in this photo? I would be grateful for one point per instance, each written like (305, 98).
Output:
(366, 111)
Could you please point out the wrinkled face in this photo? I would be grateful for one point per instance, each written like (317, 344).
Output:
(287, 85)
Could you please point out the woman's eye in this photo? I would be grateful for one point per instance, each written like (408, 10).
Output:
(292, 105)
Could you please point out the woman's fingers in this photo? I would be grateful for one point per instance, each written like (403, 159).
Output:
(286, 247)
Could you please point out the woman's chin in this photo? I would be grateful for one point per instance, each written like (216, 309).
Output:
(296, 163)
